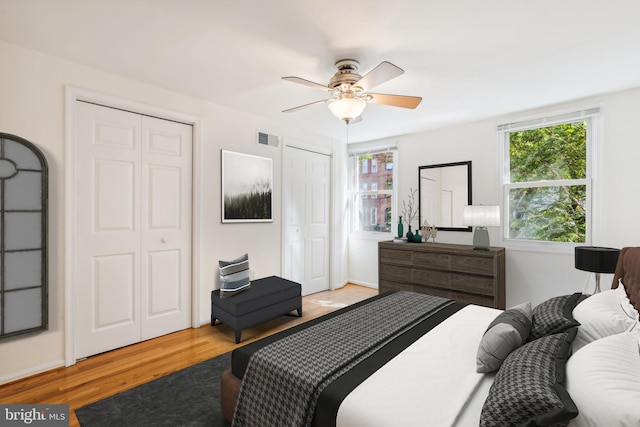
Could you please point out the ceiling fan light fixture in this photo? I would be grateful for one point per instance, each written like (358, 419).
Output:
(347, 108)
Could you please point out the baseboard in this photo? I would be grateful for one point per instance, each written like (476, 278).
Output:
(15, 376)
(337, 286)
(368, 285)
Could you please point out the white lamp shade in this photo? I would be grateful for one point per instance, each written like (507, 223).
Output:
(481, 216)
(347, 108)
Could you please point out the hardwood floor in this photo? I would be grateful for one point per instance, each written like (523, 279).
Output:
(112, 372)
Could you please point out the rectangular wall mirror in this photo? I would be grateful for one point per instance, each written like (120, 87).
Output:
(443, 191)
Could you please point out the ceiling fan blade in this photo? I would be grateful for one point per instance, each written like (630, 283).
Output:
(395, 100)
(383, 72)
(307, 83)
(356, 120)
(300, 107)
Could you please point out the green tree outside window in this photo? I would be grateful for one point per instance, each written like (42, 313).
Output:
(548, 172)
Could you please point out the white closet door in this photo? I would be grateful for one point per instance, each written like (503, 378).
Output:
(132, 271)
(166, 227)
(306, 212)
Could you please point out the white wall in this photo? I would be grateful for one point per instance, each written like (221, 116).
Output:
(32, 93)
(531, 276)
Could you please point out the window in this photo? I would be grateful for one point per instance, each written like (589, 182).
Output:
(546, 181)
(378, 208)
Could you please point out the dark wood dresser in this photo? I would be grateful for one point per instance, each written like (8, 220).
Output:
(453, 271)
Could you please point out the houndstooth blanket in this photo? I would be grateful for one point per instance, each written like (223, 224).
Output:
(284, 379)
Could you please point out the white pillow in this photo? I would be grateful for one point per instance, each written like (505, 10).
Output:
(603, 314)
(603, 380)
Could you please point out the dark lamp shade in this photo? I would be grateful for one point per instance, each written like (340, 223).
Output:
(596, 259)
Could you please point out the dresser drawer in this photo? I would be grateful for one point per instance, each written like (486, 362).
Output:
(430, 277)
(395, 273)
(431, 260)
(394, 256)
(475, 284)
(472, 264)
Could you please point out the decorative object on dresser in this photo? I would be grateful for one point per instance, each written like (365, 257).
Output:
(447, 270)
(429, 231)
(410, 210)
(597, 260)
(400, 228)
(481, 217)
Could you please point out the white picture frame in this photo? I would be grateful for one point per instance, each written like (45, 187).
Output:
(247, 187)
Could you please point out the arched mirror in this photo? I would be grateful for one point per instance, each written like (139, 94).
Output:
(443, 192)
(23, 237)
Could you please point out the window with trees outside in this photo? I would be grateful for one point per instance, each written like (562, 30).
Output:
(547, 179)
(372, 192)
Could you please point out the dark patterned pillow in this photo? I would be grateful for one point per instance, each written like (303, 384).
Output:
(554, 315)
(529, 387)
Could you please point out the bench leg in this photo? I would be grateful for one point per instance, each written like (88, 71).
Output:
(300, 312)
(238, 333)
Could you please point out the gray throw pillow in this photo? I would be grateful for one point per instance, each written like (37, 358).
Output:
(506, 333)
(234, 274)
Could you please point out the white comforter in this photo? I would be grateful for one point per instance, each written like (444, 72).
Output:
(433, 382)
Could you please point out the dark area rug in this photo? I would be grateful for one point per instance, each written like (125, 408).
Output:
(190, 397)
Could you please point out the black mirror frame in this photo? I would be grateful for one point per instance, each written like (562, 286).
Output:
(469, 191)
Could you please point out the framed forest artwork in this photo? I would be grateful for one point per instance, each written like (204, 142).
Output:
(247, 188)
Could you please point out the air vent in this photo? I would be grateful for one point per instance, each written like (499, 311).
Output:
(270, 140)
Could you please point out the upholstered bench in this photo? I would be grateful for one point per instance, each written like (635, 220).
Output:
(266, 299)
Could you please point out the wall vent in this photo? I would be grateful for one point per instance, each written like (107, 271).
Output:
(270, 140)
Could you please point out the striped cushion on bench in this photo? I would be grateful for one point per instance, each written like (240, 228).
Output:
(234, 274)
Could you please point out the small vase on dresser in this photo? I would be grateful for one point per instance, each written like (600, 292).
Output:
(409, 235)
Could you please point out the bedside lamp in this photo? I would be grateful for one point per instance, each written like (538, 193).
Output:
(597, 260)
(481, 217)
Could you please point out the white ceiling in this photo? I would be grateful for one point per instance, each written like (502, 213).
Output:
(467, 59)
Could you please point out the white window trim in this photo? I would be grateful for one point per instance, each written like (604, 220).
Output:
(594, 143)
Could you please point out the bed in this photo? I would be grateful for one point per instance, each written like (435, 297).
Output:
(410, 359)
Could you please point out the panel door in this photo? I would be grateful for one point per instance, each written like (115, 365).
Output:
(132, 259)
(107, 221)
(165, 227)
(306, 212)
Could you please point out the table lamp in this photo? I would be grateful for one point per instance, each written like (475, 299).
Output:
(597, 260)
(481, 217)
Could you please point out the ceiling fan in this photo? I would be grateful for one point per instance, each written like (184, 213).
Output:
(351, 93)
